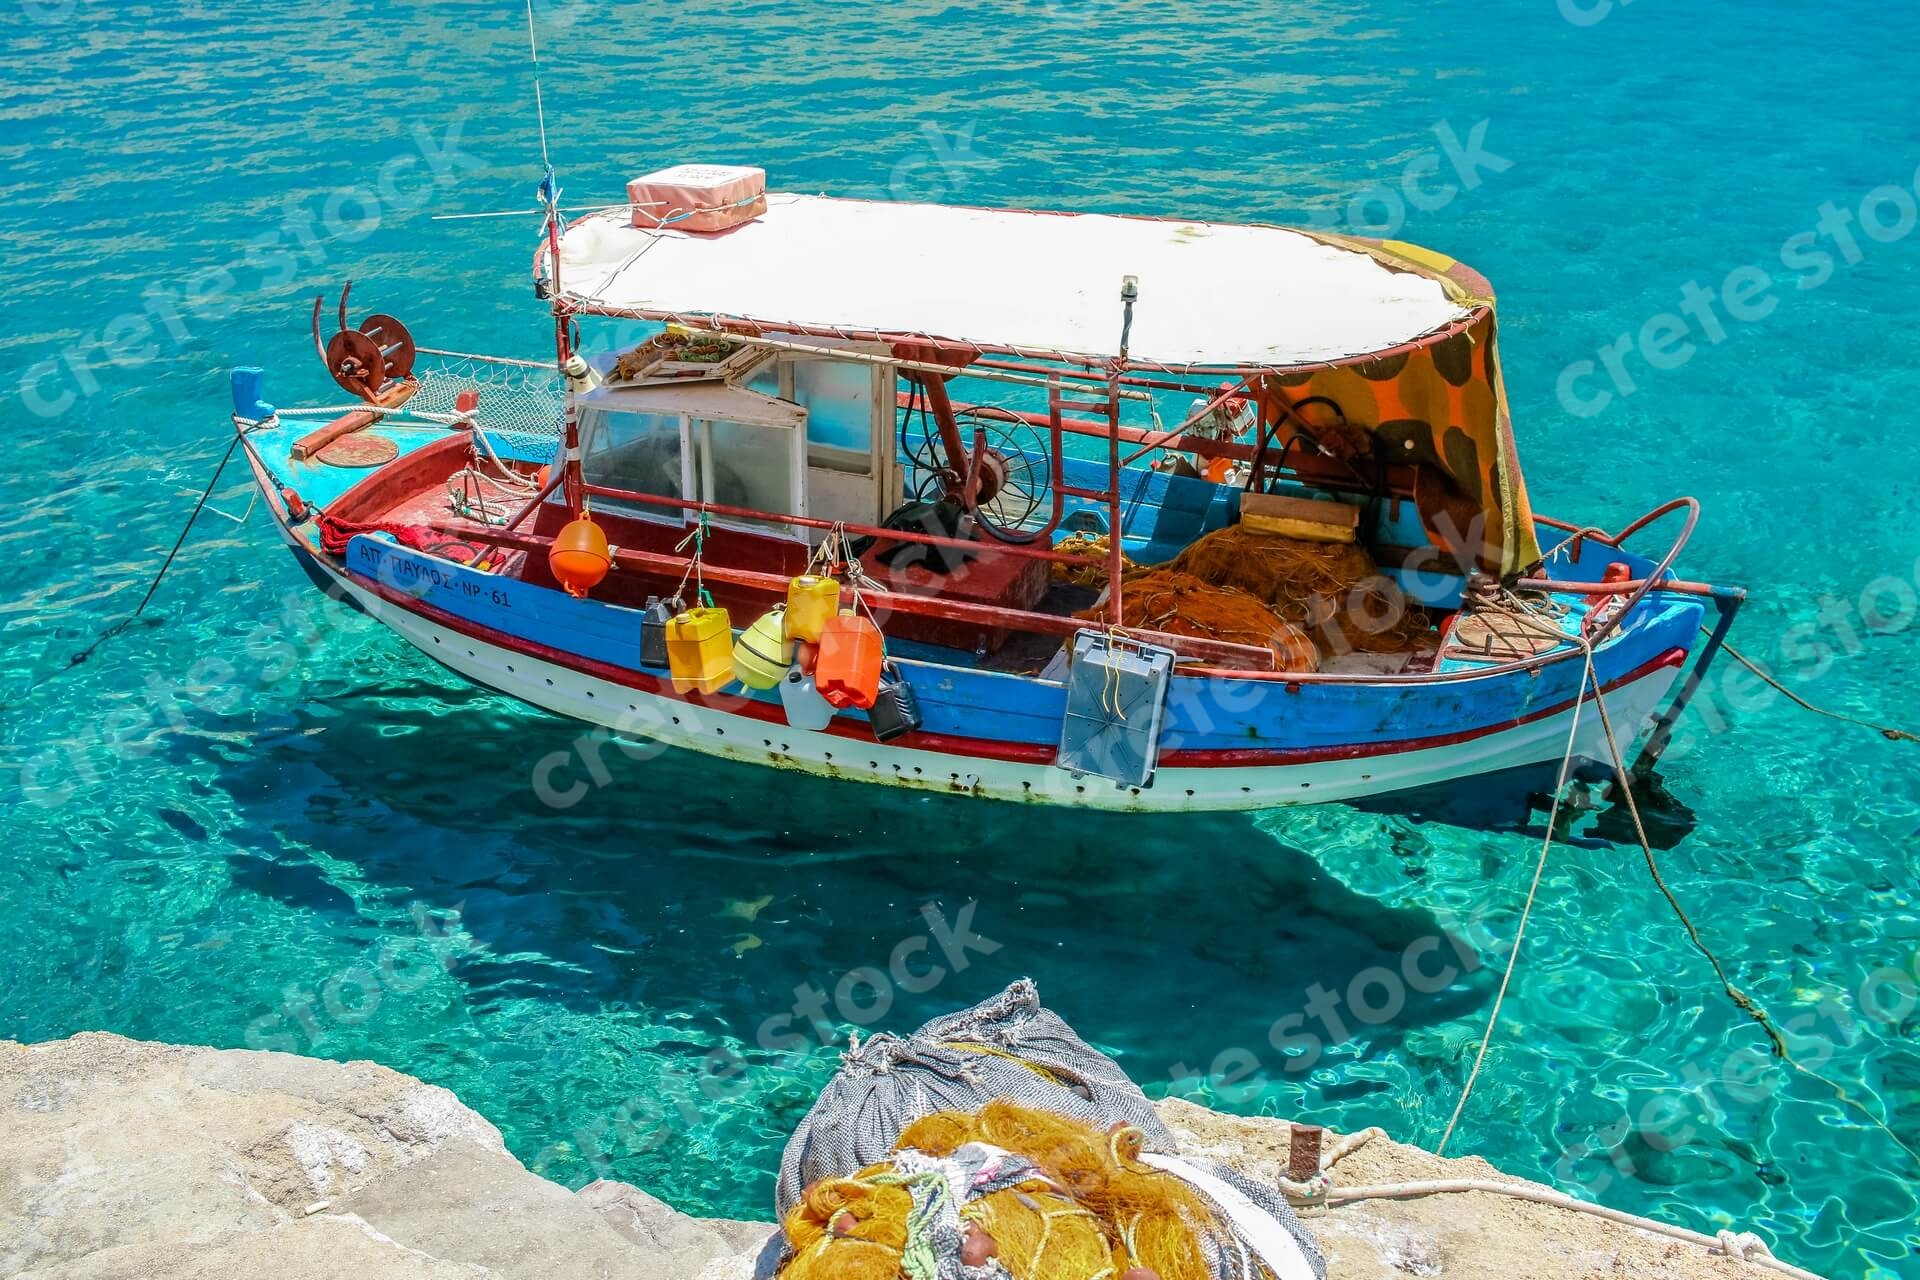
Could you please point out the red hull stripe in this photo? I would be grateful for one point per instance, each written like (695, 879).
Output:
(980, 748)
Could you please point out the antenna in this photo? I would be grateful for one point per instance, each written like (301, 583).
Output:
(539, 102)
(571, 479)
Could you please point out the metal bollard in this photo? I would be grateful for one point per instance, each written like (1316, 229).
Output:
(1303, 1153)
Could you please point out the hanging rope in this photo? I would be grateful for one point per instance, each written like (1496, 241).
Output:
(697, 539)
(154, 585)
(1526, 913)
(1891, 734)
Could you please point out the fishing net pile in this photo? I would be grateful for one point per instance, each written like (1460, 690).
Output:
(1181, 604)
(1332, 590)
(1300, 600)
(1037, 1195)
(1007, 1046)
(995, 1144)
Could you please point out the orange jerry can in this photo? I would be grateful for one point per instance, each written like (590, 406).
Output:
(852, 654)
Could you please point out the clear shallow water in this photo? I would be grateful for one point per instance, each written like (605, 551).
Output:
(234, 876)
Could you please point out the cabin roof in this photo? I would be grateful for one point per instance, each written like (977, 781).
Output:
(701, 399)
(1211, 295)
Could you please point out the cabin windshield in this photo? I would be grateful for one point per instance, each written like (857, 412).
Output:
(728, 448)
(638, 451)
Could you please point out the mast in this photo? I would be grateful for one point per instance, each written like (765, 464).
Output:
(572, 483)
(1116, 370)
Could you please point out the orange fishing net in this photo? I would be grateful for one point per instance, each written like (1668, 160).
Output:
(1333, 590)
(1097, 1211)
(1180, 604)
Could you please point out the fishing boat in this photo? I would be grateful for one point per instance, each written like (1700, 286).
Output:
(1119, 512)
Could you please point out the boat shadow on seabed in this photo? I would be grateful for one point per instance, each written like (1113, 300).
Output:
(1517, 802)
(670, 849)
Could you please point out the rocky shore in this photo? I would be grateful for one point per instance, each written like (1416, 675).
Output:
(122, 1160)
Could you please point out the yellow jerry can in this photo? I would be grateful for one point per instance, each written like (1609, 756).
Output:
(811, 604)
(700, 650)
(763, 653)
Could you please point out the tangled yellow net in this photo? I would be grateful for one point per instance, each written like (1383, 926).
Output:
(1094, 549)
(1093, 1212)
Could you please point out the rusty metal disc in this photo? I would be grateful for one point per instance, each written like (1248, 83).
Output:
(396, 344)
(359, 450)
(355, 362)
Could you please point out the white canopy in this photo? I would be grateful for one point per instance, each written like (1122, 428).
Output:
(1211, 295)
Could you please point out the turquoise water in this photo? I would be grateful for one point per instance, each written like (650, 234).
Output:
(329, 844)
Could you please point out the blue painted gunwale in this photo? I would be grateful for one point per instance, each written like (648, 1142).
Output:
(1206, 715)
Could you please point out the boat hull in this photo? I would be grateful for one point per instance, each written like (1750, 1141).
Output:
(443, 610)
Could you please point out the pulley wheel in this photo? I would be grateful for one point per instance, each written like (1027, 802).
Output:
(356, 364)
(395, 343)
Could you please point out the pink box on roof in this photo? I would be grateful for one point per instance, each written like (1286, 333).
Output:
(698, 197)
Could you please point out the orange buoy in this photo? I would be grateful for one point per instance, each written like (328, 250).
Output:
(852, 654)
(579, 557)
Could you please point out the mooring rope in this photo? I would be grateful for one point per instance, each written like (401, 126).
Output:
(1533, 891)
(1885, 731)
(1741, 1245)
(1739, 997)
(152, 586)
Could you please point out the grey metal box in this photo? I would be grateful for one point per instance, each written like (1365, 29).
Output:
(1116, 704)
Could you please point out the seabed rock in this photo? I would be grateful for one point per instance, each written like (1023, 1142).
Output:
(123, 1160)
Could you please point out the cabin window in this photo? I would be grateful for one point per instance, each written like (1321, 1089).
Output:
(838, 398)
(738, 464)
(642, 452)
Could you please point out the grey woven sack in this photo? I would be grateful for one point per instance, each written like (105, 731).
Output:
(1007, 1046)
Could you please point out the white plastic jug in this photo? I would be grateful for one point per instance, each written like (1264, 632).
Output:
(806, 709)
